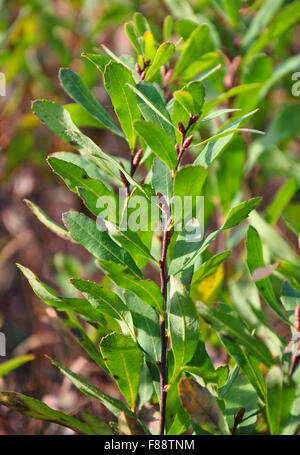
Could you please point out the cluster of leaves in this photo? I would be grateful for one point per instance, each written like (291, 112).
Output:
(167, 99)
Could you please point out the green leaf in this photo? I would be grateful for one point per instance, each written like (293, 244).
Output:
(255, 260)
(97, 424)
(149, 46)
(214, 148)
(241, 395)
(76, 178)
(79, 92)
(81, 117)
(162, 179)
(183, 325)
(188, 101)
(146, 290)
(86, 232)
(288, 16)
(162, 56)
(201, 406)
(141, 24)
(187, 253)
(209, 267)
(232, 326)
(189, 181)
(261, 19)
(232, 8)
(279, 399)
(275, 242)
(285, 124)
(99, 60)
(167, 27)
(248, 364)
(124, 359)
(151, 100)
(158, 140)
(10, 365)
(289, 66)
(59, 121)
(130, 241)
(112, 404)
(50, 224)
(237, 90)
(194, 47)
(35, 409)
(107, 302)
(116, 78)
(230, 172)
(281, 200)
(131, 33)
(240, 212)
(52, 298)
(146, 321)
(160, 115)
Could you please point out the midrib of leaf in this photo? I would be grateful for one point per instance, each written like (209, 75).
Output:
(255, 375)
(145, 99)
(119, 314)
(128, 108)
(166, 151)
(138, 246)
(128, 381)
(94, 102)
(149, 293)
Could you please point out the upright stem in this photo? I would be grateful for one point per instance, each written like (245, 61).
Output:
(164, 341)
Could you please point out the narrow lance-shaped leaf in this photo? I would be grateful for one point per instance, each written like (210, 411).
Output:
(255, 260)
(10, 365)
(79, 92)
(153, 107)
(36, 409)
(131, 33)
(162, 56)
(112, 404)
(146, 290)
(146, 321)
(214, 148)
(50, 224)
(82, 117)
(52, 298)
(86, 232)
(194, 47)
(107, 302)
(124, 359)
(209, 267)
(152, 103)
(59, 121)
(183, 325)
(99, 60)
(130, 241)
(116, 78)
(76, 177)
(280, 396)
(230, 325)
(240, 212)
(162, 179)
(158, 140)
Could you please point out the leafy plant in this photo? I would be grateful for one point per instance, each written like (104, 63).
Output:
(152, 335)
